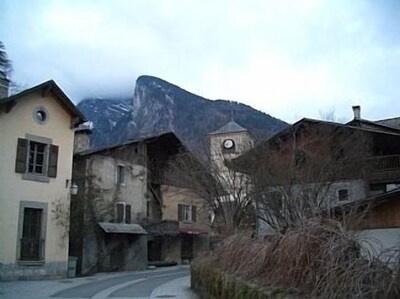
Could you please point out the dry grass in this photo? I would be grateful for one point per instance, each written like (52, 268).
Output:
(321, 260)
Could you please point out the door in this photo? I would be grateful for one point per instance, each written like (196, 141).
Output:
(187, 247)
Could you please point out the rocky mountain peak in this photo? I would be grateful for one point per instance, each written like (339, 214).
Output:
(158, 106)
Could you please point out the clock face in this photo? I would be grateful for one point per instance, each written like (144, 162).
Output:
(228, 144)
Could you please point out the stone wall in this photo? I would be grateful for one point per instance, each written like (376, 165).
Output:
(10, 272)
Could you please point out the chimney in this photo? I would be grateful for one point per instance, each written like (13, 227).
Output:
(357, 112)
(82, 137)
(4, 85)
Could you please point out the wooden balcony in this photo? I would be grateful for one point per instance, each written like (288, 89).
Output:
(383, 169)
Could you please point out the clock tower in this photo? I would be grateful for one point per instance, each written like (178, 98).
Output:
(228, 142)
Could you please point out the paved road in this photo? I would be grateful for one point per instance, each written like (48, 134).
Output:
(163, 283)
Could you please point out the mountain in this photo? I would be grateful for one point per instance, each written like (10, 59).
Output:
(158, 106)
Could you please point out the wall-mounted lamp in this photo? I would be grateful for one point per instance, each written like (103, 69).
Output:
(73, 188)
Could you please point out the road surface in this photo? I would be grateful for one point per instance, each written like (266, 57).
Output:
(161, 283)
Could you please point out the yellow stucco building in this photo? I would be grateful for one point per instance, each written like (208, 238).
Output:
(37, 137)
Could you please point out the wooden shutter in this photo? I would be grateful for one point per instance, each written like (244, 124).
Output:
(22, 151)
(120, 212)
(194, 213)
(128, 214)
(180, 212)
(53, 158)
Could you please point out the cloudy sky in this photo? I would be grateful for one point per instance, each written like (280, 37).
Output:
(290, 59)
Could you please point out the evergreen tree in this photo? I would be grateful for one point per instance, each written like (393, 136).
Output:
(5, 63)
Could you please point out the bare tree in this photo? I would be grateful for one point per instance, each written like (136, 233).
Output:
(228, 193)
(295, 173)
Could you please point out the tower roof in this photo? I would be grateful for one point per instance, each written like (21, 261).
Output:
(230, 127)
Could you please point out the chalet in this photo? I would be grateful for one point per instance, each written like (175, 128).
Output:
(37, 137)
(316, 164)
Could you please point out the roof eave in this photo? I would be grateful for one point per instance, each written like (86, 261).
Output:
(45, 86)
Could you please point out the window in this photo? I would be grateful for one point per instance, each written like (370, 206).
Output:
(124, 214)
(40, 115)
(36, 158)
(31, 232)
(343, 194)
(187, 213)
(120, 174)
(31, 241)
(128, 214)
(120, 212)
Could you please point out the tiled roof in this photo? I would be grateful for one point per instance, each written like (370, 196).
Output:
(230, 127)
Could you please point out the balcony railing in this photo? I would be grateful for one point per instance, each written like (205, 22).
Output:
(383, 169)
(383, 163)
(32, 249)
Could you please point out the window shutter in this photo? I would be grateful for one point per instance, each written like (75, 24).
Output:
(194, 214)
(180, 212)
(22, 151)
(53, 158)
(120, 212)
(128, 213)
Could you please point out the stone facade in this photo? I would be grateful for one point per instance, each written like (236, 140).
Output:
(112, 188)
(242, 143)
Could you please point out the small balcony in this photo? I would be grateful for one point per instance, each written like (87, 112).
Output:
(383, 169)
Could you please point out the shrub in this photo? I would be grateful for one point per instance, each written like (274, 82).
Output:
(321, 260)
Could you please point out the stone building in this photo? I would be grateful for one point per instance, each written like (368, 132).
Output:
(178, 222)
(126, 209)
(110, 204)
(227, 143)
